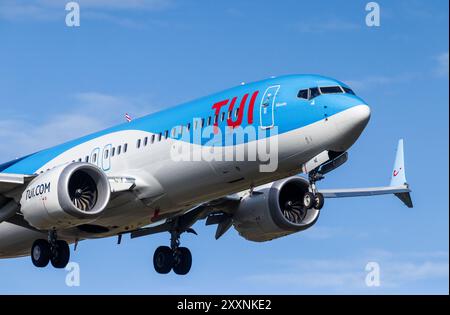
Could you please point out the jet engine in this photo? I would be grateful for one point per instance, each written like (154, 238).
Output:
(66, 196)
(274, 211)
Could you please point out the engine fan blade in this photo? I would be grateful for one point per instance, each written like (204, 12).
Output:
(83, 192)
(294, 212)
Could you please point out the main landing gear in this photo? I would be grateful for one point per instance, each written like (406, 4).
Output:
(312, 198)
(176, 258)
(52, 250)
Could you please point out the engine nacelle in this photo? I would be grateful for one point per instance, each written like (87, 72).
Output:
(274, 211)
(66, 196)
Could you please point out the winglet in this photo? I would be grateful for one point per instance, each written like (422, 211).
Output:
(398, 177)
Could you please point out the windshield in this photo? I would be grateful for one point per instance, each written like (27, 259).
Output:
(331, 90)
(311, 93)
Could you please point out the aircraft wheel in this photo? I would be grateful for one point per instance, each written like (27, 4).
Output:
(319, 201)
(61, 255)
(308, 200)
(163, 259)
(40, 253)
(183, 261)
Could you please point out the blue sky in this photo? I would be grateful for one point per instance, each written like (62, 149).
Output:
(57, 83)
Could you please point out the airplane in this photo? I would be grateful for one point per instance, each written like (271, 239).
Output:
(131, 179)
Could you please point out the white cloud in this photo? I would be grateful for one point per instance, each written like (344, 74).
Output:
(331, 25)
(442, 66)
(89, 112)
(234, 12)
(319, 233)
(311, 279)
(398, 272)
(374, 81)
(92, 9)
(121, 4)
(19, 11)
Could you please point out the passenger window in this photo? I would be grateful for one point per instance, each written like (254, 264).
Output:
(188, 126)
(145, 141)
(153, 139)
(195, 124)
(113, 151)
(314, 92)
(119, 149)
(223, 116)
(106, 154)
(209, 121)
(202, 124)
(125, 148)
(138, 144)
(303, 94)
(87, 159)
(166, 134)
(159, 136)
(94, 158)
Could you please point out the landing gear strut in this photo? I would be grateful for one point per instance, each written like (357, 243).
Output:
(176, 258)
(312, 198)
(52, 250)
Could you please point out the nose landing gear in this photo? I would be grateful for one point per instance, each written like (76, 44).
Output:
(312, 198)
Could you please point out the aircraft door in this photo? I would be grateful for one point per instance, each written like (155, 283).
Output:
(267, 107)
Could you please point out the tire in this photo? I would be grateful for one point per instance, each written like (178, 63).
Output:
(319, 201)
(184, 261)
(163, 259)
(61, 259)
(40, 253)
(308, 200)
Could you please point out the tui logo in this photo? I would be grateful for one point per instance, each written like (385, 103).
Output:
(397, 172)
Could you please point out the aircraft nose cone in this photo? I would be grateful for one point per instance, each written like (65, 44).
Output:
(363, 113)
(355, 119)
(350, 125)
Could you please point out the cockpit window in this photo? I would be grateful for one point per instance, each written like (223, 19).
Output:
(348, 90)
(331, 90)
(314, 92)
(303, 94)
(309, 94)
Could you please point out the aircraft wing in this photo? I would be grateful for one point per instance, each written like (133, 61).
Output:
(398, 186)
(9, 182)
(12, 185)
(215, 212)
